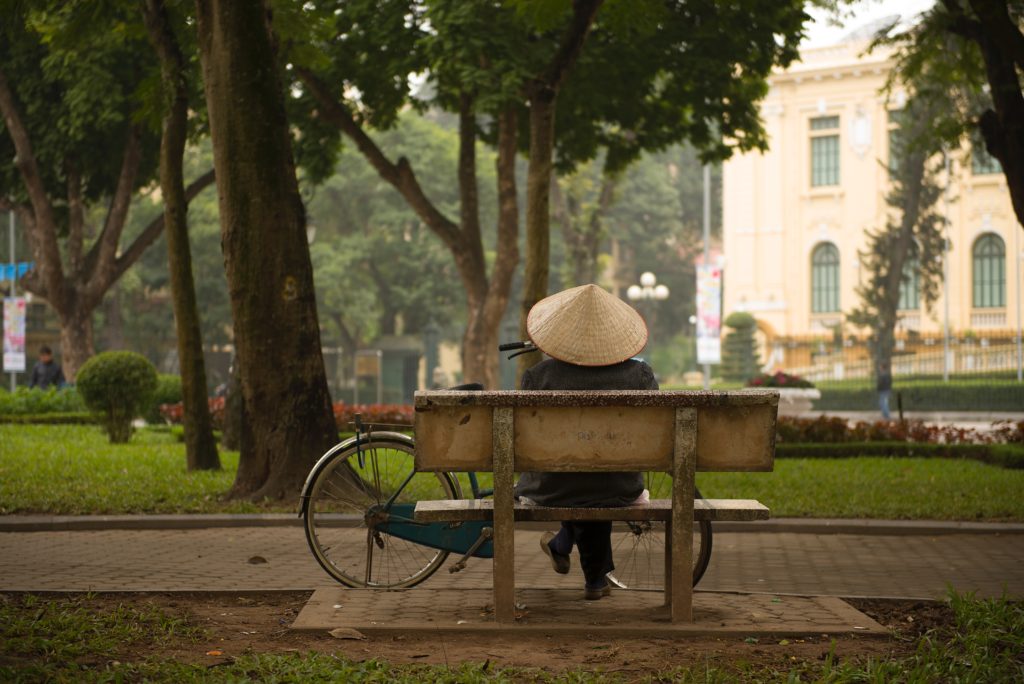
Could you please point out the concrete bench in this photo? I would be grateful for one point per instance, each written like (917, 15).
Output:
(612, 431)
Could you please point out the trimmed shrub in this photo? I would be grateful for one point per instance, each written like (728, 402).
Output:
(119, 385)
(168, 391)
(739, 350)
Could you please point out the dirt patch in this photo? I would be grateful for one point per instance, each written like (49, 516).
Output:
(238, 624)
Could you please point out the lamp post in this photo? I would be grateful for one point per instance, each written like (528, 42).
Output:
(647, 290)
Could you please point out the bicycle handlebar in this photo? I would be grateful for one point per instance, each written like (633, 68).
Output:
(509, 346)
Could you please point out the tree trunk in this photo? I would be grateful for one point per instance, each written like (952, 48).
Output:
(113, 321)
(234, 411)
(266, 256)
(1002, 47)
(538, 213)
(542, 93)
(76, 341)
(200, 446)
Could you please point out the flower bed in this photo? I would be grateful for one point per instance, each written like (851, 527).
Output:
(344, 414)
(834, 430)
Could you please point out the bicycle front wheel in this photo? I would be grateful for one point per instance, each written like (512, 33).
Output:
(638, 548)
(355, 496)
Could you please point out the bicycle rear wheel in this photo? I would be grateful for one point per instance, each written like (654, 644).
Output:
(354, 494)
(639, 547)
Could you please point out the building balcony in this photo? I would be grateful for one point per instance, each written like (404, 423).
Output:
(988, 318)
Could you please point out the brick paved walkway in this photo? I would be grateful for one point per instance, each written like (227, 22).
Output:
(228, 559)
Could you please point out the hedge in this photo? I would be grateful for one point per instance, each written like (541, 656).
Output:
(1005, 455)
(52, 418)
(979, 395)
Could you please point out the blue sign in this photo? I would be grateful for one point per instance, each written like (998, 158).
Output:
(15, 271)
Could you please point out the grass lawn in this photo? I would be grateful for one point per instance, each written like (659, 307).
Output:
(74, 470)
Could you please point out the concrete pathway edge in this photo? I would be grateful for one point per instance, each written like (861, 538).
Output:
(71, 523)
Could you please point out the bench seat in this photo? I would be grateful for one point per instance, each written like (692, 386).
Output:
(657, 509)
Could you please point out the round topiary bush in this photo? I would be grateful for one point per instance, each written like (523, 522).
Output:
(119, 385)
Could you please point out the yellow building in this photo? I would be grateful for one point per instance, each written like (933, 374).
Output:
(795, 217)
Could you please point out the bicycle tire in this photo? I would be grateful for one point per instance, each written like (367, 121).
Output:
(639, 547)
(342, 496)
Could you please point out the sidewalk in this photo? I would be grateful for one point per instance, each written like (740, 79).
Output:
(919, 563)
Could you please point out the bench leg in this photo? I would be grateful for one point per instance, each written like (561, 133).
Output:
(668, 565)
(681, 528)
(504, 519)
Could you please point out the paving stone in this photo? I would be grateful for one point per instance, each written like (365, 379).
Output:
(783, 563)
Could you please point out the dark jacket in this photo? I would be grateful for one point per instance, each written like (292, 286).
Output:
(585, 489)
(46, 375)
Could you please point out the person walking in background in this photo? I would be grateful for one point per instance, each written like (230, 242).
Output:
(884, 388)
(47, 372)
(591, 337)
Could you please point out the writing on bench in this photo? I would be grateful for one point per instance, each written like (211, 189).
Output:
(559, 431)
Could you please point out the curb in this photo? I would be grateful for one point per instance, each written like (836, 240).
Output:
(857, 526)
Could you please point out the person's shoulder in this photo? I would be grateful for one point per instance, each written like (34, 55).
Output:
(643, 372)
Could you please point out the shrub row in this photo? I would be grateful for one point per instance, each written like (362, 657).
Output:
(1005, 455)
(53, 418)
(928, 396)
(24, 401)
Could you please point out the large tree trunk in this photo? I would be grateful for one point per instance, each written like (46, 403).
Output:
(266, 256)
(200, 446)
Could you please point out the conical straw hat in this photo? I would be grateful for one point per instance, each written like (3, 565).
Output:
(586, 326)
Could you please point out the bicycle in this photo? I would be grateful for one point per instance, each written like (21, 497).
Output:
(367, 487)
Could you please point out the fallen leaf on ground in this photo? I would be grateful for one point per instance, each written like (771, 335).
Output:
(214, 653)
(347, 633)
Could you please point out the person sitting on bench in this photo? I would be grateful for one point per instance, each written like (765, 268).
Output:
(591, 337)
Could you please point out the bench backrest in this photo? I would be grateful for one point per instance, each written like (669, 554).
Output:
(593, 431)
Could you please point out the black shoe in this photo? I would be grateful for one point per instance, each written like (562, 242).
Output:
(595, 594)
(559, 562)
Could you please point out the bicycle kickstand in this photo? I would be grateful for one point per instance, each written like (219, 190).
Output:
(486, 534)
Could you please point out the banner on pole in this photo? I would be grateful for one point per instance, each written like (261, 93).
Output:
(14, 334)
(709, 314)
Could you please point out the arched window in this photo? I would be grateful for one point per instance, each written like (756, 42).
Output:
(825, 278)
(910, 285)
(989, 272)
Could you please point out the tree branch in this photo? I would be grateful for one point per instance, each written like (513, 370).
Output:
(400, 175)
(995, 22)
(583, 12)
(76, 219)
(104, 251)
(44, 233)
(152, 231)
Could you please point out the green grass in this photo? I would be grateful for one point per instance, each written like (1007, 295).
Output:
(71, 640)
(887, 488)
(74, 470)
